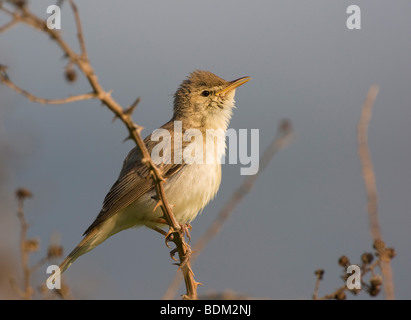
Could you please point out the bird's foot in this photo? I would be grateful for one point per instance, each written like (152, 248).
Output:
(184, 231)
(185, 258)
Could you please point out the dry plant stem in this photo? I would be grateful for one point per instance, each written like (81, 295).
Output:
(367, 167)
(283, 138)
(319, 274)
(370, 186)
(82, 62)
(24, 247)
(26, 294)
(316, 288)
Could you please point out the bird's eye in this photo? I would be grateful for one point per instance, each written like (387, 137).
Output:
(205, 93)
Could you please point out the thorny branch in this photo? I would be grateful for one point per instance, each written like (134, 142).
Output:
(21, 14)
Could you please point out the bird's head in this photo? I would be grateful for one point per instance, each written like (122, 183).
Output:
(206, 100)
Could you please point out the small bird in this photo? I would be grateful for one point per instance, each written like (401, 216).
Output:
(203, 105)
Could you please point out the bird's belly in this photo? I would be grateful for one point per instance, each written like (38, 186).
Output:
(192, 189)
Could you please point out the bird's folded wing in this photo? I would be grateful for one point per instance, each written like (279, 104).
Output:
(133, 182)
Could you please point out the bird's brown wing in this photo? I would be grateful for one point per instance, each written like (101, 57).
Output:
(133, 182)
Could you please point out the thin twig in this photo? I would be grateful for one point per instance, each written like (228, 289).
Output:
(283, 138)
(6, 81)
(23, 252)
(79, 30)
(371, 188)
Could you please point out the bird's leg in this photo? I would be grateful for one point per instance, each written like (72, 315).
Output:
(168, 235)
(159, 230)
(185, 230)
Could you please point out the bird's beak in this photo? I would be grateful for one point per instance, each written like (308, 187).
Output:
(233, 84)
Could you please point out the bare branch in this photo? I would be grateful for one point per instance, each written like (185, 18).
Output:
(6, 81)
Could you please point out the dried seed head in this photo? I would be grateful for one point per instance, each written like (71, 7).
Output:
(379, 245)
(23, 193)
(54, 251)
(285, 126)
(376, 281)
(71, 75)
(343, 261)
(390, 252)
(367, 257)
(32, 245)
(374, 290)
(20, 3)
(319, 273)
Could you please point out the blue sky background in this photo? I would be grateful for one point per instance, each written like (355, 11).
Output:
(304, 212)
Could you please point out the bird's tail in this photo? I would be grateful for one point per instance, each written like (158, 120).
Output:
(89, 242)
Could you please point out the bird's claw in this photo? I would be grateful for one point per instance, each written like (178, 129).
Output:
(173, 253)
(169, 237)
(184, 230)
